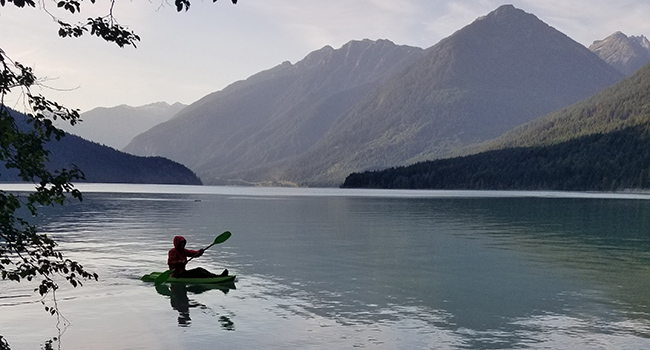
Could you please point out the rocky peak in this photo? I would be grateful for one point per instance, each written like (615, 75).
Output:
(350, 53)
(626, 54)
(518, 48)
(318, 57)
(642, 41)
(508, 14)
(356, 63)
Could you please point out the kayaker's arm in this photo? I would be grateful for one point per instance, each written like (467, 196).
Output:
(194, 253)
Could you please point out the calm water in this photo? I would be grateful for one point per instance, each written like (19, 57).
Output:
(337, 269)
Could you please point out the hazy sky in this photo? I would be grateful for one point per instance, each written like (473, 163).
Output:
(184, 56)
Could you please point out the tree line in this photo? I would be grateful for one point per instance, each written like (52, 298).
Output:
(600, 162)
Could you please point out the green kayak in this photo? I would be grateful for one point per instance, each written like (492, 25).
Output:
(213, 280)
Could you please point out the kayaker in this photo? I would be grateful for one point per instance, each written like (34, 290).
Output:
(177, 259)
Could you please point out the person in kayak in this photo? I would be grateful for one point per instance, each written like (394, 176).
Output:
(177, 259)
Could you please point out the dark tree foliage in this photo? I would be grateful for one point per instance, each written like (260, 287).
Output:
(105, 27)
(600, 162)
(26, 254)
(99, 163)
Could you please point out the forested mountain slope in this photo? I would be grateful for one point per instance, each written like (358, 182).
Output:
(104, 164)
(600, 162)
(619, 106)
(601, 143)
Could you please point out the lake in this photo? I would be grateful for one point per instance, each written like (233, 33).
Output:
(341, 269)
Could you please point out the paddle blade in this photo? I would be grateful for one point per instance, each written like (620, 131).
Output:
(222, 237)
(163, 277)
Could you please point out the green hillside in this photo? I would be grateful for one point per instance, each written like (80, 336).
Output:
(601, 143)
(599, 162)
(619, 106)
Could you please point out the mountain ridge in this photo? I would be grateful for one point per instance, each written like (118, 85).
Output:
(601, 143)
(103, 164)
(443, 98)
(117, 126)
(301, 100)
(298, 124)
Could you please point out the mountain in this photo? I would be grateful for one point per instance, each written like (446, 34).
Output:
(600, 144)
(627, 54)
(104, 164)
(274, 115)
(613, 161)
(117, 126)
(502, 70)
(618, 107)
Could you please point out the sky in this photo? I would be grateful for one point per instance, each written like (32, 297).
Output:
(184, 56)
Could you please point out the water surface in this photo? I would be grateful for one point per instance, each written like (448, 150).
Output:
(330, 268)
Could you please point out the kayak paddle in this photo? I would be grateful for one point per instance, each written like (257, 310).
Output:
(165, 275)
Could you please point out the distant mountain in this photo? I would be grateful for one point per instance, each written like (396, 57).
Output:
(117, 126)
(107, 165)
(627, 54)
(104, 164)
(600, 144)
(274, 115)
(373, 105)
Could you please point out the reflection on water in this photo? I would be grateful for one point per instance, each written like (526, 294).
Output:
(179, 300)
(336, 271)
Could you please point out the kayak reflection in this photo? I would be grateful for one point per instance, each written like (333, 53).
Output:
(179, 300)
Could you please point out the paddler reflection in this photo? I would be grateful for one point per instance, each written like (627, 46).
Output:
(180, 301)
